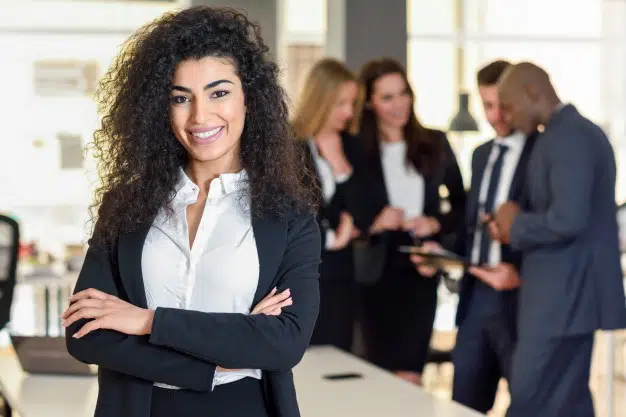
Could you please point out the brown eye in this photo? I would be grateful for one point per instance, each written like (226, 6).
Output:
(219, 94)
(179, 99)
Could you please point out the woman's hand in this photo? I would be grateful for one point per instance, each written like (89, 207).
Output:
(273, 303)
(422, 267)
(422, 226)
(390, 218)
(500, 277)
(345, 232)
(106, 311)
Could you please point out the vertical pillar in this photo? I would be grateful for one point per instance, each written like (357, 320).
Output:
(360, 30)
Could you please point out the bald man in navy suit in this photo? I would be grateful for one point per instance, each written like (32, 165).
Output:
(571, 278)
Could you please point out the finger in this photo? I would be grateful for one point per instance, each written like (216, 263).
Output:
(84, 313)
(89, 327)
(431, 246)
(271, 301)
(266, 299)
(276, 300)
(416, 259)
(91, 293)
(479, 272)
(494, 230)
(280, 305)
(286, 303)
(427, 271)
(271, 293)
(275, 312)
(436, 226)
(82, 303)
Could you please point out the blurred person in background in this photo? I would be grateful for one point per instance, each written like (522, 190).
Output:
(567, 233)
(487, 311)
(409, 163)
(324, 123)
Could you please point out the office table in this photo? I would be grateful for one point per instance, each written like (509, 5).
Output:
(377, 394)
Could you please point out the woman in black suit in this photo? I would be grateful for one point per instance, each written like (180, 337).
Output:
(199, 291)
(323, 122)
(410, 163)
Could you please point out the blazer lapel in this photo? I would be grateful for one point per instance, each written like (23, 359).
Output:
(129, 255)
(477, 180)
(519, 178)
(270, 235)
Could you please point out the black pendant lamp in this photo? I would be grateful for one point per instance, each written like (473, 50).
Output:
(463, 121)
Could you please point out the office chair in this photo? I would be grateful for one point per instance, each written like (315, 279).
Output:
(9, 249)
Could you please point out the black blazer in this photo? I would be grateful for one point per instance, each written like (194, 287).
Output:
(186, 346)
(465, 242)
(349, 196)
(448, 174)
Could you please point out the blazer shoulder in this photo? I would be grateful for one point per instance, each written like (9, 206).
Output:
(351, 141)
(442, 137)
(299, 220)
(483, 147)
(433, 131)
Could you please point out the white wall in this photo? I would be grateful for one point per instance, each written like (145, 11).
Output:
(50, 202)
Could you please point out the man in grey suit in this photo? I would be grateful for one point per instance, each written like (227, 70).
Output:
(567, 230)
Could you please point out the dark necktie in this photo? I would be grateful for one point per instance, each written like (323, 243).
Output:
(488, 207)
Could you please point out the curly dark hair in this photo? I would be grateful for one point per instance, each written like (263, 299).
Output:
(139, 156)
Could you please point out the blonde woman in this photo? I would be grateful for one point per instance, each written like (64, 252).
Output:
(323, 122)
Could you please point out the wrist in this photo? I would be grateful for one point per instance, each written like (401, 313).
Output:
(149, 321)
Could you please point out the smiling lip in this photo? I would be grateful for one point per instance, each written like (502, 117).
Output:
(204, 136)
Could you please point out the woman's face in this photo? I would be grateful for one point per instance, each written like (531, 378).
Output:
(391, 101)
(343, 108)
(207, 110)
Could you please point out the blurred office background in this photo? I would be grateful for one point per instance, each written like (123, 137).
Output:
(53, 53)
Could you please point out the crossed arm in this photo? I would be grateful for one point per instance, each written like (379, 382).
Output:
(181, 347)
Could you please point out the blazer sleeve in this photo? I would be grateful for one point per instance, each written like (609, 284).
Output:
(571, 182)
(255, 341)
(131, 355)
(452, 222)
(355, 194)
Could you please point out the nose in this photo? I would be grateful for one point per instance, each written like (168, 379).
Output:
(199, 111)
(505, 116)
(348, 113)
(498, 114)
(399, 105)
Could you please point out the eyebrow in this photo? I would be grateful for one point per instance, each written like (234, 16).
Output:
(206, 87)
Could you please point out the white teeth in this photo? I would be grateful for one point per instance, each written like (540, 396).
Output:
(205, 135)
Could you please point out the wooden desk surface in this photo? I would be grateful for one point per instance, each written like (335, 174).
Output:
(377, 394)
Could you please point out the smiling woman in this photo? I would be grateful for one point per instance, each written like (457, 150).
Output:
(200, 113)
(204, 229)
